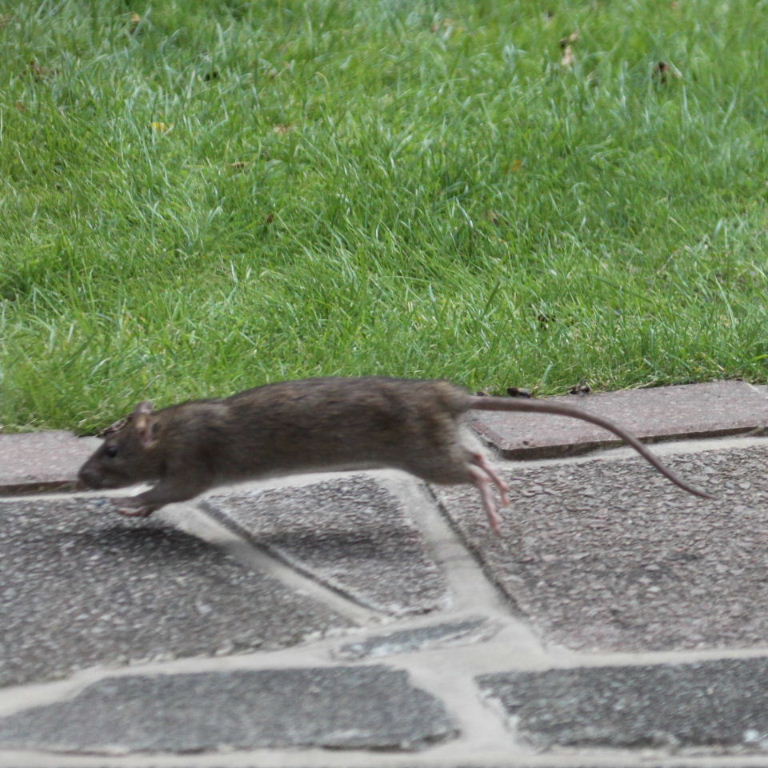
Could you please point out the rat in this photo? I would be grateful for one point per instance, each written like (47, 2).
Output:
(313, 425)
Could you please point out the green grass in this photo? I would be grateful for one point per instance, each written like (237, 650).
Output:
(227, 193)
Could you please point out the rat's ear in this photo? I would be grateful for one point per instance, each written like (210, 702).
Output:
(144, 407)
(145, 424)
(112, 428)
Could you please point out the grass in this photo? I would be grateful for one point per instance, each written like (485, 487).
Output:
(199, 197)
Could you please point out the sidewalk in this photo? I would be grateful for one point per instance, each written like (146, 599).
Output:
(366, 619)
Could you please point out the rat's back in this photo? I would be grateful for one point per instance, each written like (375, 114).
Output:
(341, 423)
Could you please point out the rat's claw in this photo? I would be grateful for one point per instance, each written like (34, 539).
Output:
(134, 512)
(129, 508)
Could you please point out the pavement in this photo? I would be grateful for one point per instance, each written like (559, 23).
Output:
(367, 619)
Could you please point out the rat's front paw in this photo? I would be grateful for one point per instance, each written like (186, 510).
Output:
(130, 507)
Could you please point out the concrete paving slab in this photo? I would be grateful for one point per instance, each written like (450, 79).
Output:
(370, 707)
(349, 533)
(80, 586)
(42, 461)
(443, 635)
(661, 413)
(609, 555)
(720, 704)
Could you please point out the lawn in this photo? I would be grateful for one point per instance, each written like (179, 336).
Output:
(198, 197)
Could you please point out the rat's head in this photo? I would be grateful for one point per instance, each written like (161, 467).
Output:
(128, 454)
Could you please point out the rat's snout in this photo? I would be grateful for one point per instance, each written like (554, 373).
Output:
(91, 476)
(87, 478)
(94, 474)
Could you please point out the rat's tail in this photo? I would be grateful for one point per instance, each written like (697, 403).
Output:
(482, 403)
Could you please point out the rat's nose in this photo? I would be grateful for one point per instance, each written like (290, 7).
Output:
(86, 479)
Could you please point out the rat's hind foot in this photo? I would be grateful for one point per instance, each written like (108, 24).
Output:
(482, 482)
(479, 460)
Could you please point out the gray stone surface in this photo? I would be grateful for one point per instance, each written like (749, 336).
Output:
(350, 533)
(685, 411)
(42, 461)
(442, 635)
(610, 555)
(372, 707)
(80, 586)
(721, 703)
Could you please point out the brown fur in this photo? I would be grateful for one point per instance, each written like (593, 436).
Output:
(306, 426)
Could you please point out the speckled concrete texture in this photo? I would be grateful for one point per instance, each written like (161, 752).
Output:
(608, 555)
(80, 586)
(371, 707)
(350, 533)
(42, 461)
(723, 703)
(661, 413)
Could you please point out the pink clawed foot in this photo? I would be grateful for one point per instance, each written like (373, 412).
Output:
(127, 508)
(479, 460)
(483, 484)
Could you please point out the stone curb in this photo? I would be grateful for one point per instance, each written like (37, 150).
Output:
(36, 462)
(683, 412)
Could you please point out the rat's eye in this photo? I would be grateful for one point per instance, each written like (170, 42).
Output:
(110, 451)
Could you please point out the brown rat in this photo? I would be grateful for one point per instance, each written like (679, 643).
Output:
(308, 426)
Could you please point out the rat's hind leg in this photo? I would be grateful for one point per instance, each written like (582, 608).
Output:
(479, 460)
(482, 482)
